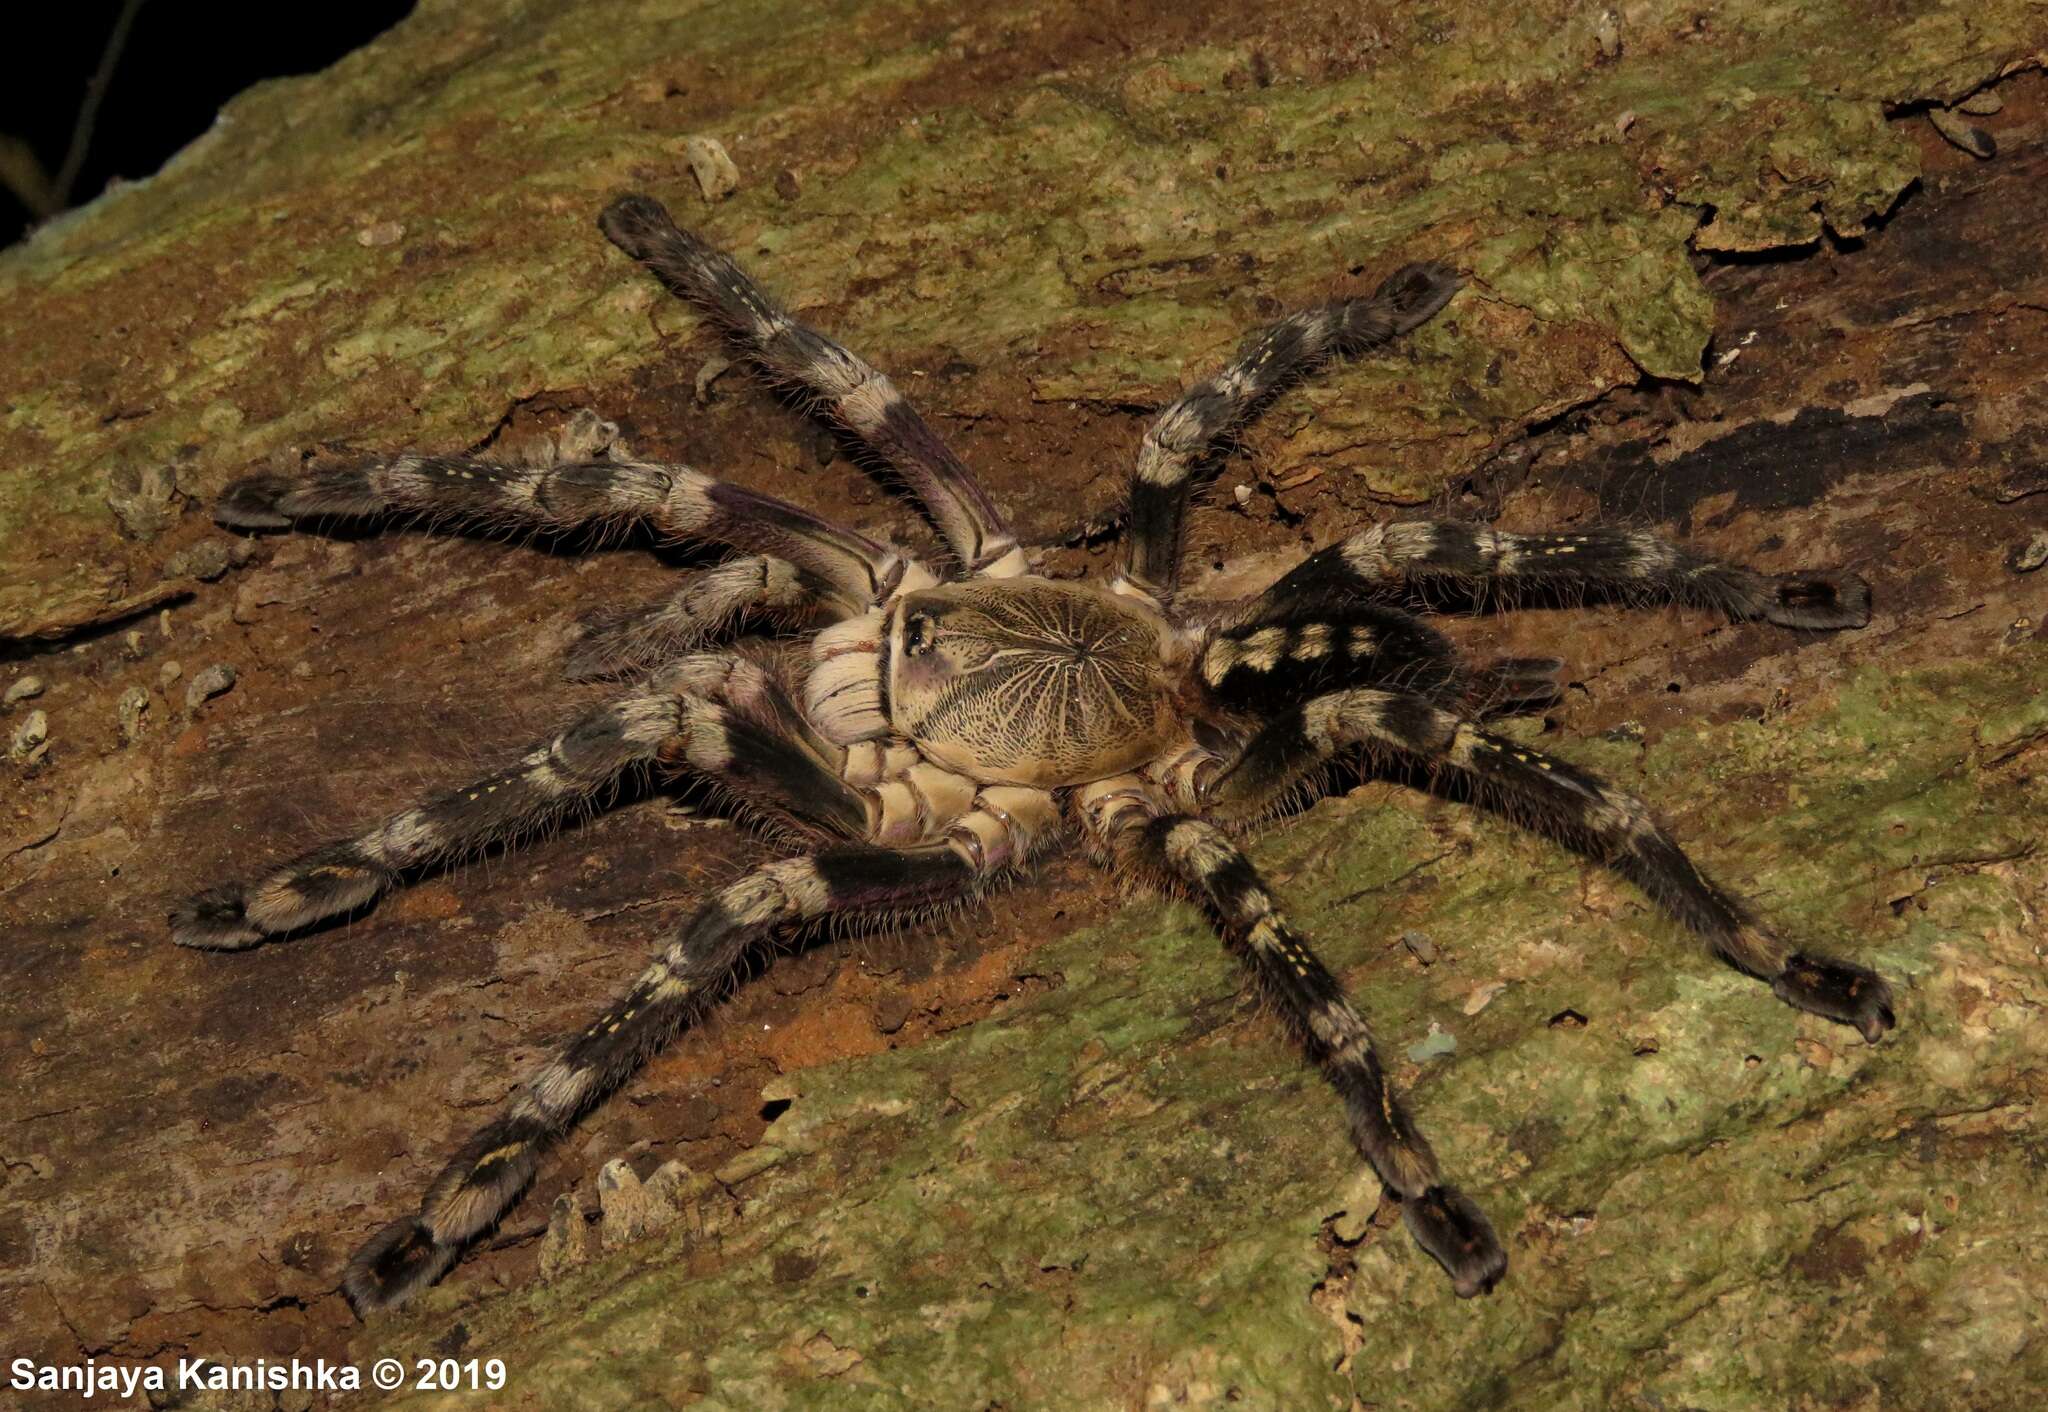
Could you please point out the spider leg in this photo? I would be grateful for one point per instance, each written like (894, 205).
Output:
(487, 1174)
(1302, 647)
(847, 568)
(1181, 442)
(1197, 855)
(706, 605)
(837, 382)
(1309, 644)
(1391, 559)
(1514, 686)
(1560, 799)
(716, 714)
(493, 1167)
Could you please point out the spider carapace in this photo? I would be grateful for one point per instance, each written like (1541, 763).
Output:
(1025, 681)
(948, 722)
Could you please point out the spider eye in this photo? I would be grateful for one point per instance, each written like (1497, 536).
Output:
(919, 633)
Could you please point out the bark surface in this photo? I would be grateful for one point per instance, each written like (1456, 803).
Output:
(1726, 279)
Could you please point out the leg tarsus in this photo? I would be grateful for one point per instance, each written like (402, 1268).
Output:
(1820, 599)
(214, 920)
(254, 502)
(393, 1265)
(1412, 295)
(1839, 991)
(327, 882)
(1451, 1227)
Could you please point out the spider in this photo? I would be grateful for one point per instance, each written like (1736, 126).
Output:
(948, 727)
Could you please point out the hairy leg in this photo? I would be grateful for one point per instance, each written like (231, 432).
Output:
(1485, 563)
(1304, 647)
(1197, 855)
(714, 713)
(1557, 798)
(490, 1170)
(848, 568)
(704, 607)
(1315, 644)
(1513, 686)
(486, 1176)
(838, 383)
(1183, 438)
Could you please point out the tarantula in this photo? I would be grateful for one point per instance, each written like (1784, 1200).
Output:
(948, 728)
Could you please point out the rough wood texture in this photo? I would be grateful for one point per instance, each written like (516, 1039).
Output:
(1118, 1189)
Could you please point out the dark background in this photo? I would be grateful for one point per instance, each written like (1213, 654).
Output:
(182, 60)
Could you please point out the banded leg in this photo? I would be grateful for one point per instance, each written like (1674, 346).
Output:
(704, 607)
(487, 1175)
(838, 383)
(1184, 436)
(742, 734)
(711, 713)
(1258, 661)
(1199, 856)
(854, 571)
(1557, 798)
(1389, 559)
(1254, 662)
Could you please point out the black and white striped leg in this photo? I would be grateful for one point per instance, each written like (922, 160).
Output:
(472, 490)
(851, 569)
(1557, 798)
(707, 605)
(1258, 663)
(714, 713)
(563, 773)
(1489, 564)
(744, 735)
(1255, 662)
(836, 382)
(490, 1171)
(1183, 439)
(1199, 856)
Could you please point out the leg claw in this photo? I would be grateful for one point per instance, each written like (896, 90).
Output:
(1839, 991)
(1819, 599)
(393, 1265)
(1446, 1223)
(214, 920)
(253, 503)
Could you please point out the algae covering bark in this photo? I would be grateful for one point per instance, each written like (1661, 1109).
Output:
(400, 245)
(1121, 1194)
(1118, 1188)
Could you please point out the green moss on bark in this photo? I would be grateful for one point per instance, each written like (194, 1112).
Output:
(1116, 1194)
(1126, 1191)
(400, 248)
